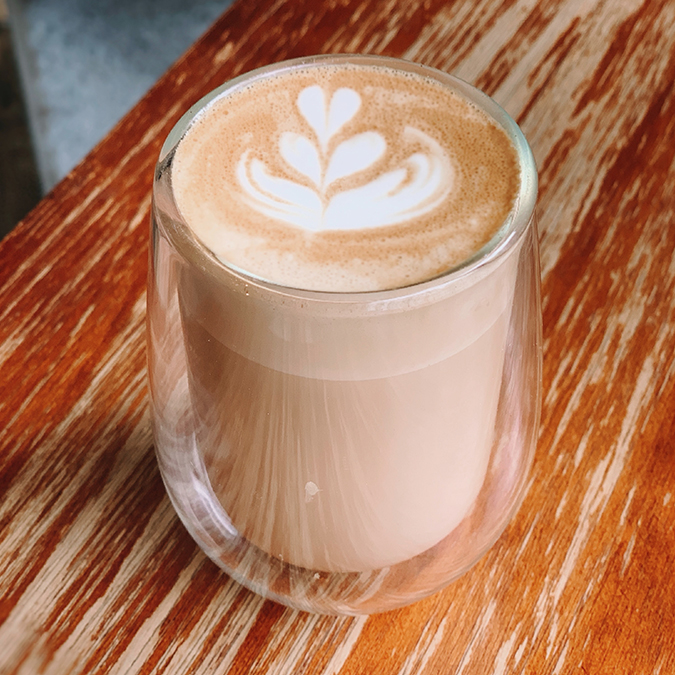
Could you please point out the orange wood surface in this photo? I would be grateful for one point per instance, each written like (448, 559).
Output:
(97, 575)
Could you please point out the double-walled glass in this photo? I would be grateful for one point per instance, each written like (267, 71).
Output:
(345, 452)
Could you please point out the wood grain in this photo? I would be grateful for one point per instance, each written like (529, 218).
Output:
(96, 573)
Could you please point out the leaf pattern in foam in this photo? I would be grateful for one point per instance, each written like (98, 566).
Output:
(327, 121)
(353, 155)
(299, 152)
(279, 198)
(420, 185)
(392, 198)
(344, 104)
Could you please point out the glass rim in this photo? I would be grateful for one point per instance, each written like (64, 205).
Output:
(505, 239)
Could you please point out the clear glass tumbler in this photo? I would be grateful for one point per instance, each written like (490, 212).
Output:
(345, 453)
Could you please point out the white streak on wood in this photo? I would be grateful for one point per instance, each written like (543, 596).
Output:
(588, 507)
(344, 648)
(581, 448)
(552, 634)
(433, 645)
(628, 552)
(477, 635)
(520, 651)
(561, 505)
(428, 642)
(624, 512)
(501, 660)
(293, 660)
(284, 653)
(528, 535)
(560, 663)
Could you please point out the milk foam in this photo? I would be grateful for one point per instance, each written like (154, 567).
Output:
(344, 178)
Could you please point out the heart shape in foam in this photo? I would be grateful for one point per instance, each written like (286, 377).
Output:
(353, 155)
(326, 121)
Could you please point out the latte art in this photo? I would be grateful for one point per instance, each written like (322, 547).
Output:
(414, 189)
(344, 178)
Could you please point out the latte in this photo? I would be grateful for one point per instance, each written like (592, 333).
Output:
(344, 178)
(339, 433)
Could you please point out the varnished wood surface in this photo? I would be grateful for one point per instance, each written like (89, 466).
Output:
(97, 575)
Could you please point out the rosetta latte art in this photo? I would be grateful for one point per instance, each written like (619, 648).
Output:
(343, 178)
(415, 188)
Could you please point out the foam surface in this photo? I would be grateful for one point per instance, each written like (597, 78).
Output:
(344, 178)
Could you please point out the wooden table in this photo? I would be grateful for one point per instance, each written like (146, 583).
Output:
(97, 575)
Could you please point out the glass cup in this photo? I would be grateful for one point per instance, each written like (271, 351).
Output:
(345, 453)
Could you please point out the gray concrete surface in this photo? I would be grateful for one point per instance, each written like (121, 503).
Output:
(85, 63)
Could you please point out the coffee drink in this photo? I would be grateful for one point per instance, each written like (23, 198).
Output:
(345, 425)
(344, 178)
